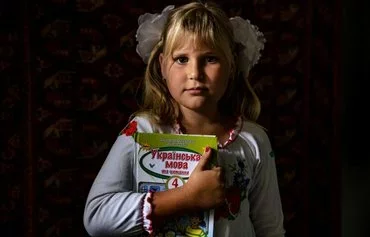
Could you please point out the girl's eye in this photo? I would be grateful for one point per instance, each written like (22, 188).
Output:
(212, 59)
(181, 60)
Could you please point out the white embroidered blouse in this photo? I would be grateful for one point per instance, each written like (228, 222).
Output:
(253, 200)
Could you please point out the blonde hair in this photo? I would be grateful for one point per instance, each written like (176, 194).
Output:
(208, 24)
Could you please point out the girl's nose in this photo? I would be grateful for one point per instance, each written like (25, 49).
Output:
(195, 71)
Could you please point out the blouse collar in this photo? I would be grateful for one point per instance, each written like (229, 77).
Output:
(233, 133)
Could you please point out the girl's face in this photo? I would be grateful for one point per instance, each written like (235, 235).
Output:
(196, 76)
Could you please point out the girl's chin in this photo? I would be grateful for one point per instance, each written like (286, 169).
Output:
(199, 107)
(198, 104)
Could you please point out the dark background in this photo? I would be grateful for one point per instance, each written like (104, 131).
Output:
(356, 159)
(69, 73)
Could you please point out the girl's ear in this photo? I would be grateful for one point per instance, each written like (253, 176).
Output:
(163, 65)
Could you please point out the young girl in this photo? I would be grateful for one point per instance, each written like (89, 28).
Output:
(196, 82)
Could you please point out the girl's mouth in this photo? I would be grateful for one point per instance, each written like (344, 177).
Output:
(196, 90)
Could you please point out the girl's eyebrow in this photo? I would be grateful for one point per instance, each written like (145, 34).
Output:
(177, 55)
(181, 53)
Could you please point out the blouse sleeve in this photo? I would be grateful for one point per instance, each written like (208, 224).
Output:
(266, 210)
(112, 207)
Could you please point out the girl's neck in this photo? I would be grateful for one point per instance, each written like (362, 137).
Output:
(193, 122)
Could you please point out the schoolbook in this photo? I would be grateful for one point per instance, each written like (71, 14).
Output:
(165, 161)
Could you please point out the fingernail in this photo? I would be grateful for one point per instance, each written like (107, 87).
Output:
(208, 148)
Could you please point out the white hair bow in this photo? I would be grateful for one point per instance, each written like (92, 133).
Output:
(247, 35)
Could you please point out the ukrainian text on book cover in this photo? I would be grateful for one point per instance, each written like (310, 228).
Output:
(165, 161)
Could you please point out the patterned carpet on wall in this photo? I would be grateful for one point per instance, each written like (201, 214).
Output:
(69, 78)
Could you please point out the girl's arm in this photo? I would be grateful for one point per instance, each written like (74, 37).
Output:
(266, 210)
(112, 208)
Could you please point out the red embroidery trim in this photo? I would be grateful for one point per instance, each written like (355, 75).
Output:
(233, 134)
(130, 129)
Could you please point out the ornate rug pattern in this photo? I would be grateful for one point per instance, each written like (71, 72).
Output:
(69, 75)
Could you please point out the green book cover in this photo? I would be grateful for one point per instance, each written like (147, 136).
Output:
(165, 161)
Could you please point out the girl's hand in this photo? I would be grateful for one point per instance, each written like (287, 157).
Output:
(205, 187)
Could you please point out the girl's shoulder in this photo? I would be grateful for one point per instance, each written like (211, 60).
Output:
(250, 132)
(254, 136)
(254, 131)
(253, 127)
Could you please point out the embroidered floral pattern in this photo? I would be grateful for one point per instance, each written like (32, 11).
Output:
(236, 193)
(240, 178)
(130, 129)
